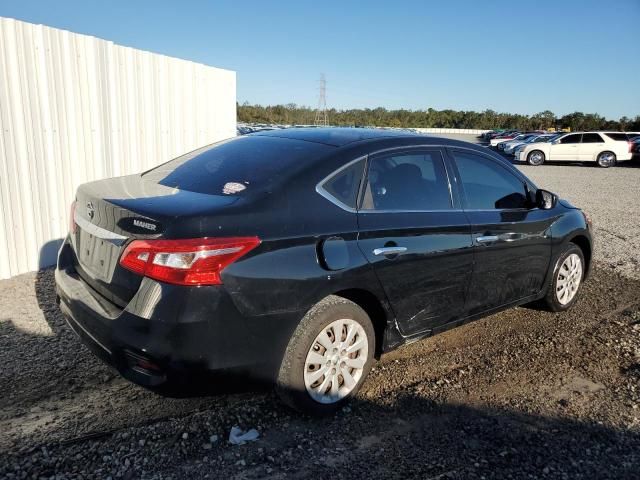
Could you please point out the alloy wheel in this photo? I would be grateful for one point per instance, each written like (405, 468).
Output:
(536, 158)
(569, 278)
(336, 361)
(606, 159)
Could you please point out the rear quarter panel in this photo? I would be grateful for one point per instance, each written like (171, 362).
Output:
(621, 149)
(285, 273)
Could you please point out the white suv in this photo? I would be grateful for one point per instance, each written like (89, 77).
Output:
(604, 148)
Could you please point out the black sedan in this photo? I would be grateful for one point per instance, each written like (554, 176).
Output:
(297, 256)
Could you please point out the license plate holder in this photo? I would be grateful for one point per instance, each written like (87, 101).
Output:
(96, 255)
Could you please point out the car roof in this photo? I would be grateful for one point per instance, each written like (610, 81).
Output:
(335, 136)
(361, 140)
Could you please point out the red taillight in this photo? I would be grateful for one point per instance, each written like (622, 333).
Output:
(195, 261)
(72, 217)
(630, 147)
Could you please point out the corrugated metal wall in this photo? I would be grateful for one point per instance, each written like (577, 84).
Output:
(74, 108)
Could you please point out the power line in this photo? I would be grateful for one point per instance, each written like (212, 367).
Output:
(321, 111)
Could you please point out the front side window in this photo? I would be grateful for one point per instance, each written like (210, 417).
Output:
(487, 185)
(591, 138)
(343, 185)
(407, 181)
(575, 138)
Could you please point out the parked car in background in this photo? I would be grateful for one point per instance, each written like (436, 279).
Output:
(499, 132)
(635, 148)
(524, 137)
(604, 148)
(511, 146)
(296, 257)
(503, 137)
(544, 139)
(519, 138)
(492, 133)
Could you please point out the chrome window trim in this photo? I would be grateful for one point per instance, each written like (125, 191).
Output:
(99, 232)
(411, 211)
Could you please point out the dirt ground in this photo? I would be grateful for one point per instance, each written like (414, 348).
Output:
(521, 394)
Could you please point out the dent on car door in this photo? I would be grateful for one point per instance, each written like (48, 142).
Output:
(512, 243)
(418, 244)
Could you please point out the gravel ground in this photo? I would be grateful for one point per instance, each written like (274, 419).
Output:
(521, 394)
(611, 197)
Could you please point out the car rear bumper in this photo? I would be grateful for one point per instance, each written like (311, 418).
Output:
(169, 334)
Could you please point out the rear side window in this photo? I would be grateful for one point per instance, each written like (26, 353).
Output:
(343, 185)
(575, 138)
(238, 166)
(620, 137)
(591, 138)
(407, 181)
(487, 185)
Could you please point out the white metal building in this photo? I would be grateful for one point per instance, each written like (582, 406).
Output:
(75, 108)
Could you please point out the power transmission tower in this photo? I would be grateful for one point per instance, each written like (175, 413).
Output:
(321, 112)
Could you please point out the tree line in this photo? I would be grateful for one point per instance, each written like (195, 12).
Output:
(292, 114)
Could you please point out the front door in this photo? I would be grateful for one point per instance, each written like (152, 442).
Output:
(512, 243)
(419, 246)
(567, 148)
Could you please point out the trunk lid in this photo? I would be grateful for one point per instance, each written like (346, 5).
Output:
(109, 213)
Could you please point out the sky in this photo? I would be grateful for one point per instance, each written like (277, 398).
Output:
(509, 56)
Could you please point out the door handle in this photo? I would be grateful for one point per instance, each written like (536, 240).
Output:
(487, 239)
(511, 237)
(389, 250)
(503, 237)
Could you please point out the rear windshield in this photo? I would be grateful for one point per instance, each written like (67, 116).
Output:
(237, 166)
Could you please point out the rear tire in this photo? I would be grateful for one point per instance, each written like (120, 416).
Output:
(606, 159)
(566, 281)
(535, 158)
(328, 357)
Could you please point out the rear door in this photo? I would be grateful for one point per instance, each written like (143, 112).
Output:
(591, 145)
(512, 244)
(415, 235)
(567, 148)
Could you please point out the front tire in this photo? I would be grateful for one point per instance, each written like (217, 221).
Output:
(568, 273)
(535, 158)
(328, 357)
(606, 159)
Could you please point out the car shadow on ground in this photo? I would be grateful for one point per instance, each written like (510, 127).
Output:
(414, 432)
(410, 436)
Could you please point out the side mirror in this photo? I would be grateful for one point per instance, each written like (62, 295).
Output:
(545, 200)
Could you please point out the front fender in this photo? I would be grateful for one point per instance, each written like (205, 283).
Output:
(572, 228)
